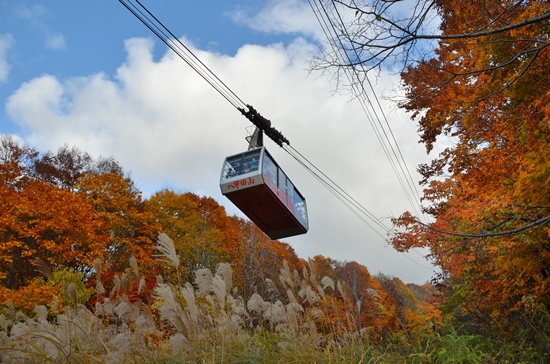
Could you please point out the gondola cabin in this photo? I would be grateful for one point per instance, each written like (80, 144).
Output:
(261, 190)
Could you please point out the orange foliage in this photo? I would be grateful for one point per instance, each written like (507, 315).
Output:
(68, 210)
(425, 320)
(43, 221)
(27, 298)
(496, 198)
(199, 227)
(258, 258)
(131, 229)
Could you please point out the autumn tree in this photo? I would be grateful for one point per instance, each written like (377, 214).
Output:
(16, 162)
(205, 236)
(367, 35)
(40, 220)
(258, 261)
(476, 74)
(248, 262)
(361, 298)
(68, 209)
(488, 193)
(132, 230)
(202, 232)
(64, 168)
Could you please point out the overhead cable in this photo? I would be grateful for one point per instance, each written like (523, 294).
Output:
(348, 201)
(156, 26)
(384, 134)
(344, 197)
(164, 34)
(404, 178)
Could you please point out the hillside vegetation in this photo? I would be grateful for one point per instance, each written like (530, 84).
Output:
(91, 272)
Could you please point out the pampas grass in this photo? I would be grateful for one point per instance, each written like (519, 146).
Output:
(200, 321)
(167, 251)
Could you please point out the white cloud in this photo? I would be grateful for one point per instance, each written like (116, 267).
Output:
(166, 125)
(55, 41)
(6, 41)
(280, 16)
(35, 16)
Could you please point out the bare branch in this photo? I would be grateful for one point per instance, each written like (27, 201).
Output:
(365, 35)
(538, 222)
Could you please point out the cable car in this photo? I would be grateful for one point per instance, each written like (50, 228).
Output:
(251, 180)
(255, 183)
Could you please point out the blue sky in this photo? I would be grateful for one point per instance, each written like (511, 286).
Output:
(66, 38)
(89, 74)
